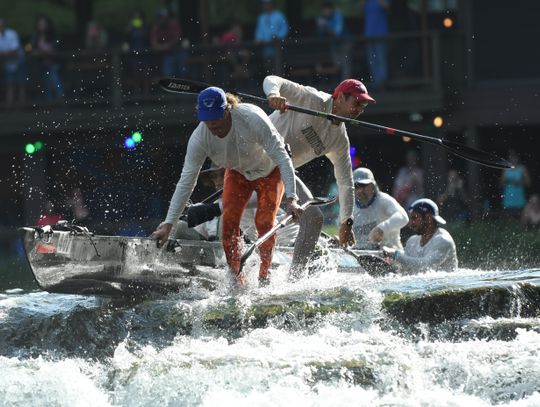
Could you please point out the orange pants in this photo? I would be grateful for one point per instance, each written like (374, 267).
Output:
(236, 193)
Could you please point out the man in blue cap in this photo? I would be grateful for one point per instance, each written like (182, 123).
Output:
(240, 138)
(430, 248)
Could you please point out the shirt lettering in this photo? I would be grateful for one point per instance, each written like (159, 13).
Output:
(314, 140)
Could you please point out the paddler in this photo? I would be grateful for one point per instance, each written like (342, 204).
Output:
(430, 248)
(240, 138)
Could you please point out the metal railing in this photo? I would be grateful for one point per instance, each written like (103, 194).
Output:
(115, 77)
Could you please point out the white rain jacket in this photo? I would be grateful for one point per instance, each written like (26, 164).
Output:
(384, 212)
(439, 254)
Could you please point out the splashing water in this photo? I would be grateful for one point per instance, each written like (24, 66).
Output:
(331, 339)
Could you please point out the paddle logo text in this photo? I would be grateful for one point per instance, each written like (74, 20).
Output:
(177, 86)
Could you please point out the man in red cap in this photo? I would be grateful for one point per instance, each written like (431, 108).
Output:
(310, 137)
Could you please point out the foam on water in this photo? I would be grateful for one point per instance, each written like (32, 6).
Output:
(39, 382)
(339, 358)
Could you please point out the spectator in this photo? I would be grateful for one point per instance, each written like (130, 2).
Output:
(513, 183)
(137, 45)
(531, 213)
(431, 248)
(454, 201)
(331, 25)
(237, 57)
(12, 58)
(49, 215)
(44, 49)
(378, 218)
(376, 25)
(272, 28)
(96, 37)
(409, 183)
(166, 38)
(78, 208)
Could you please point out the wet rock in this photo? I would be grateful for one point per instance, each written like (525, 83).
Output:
(436, 307)
(284, 312)
(83, 331)
(354, 371)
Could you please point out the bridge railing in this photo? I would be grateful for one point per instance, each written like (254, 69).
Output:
(116, 77)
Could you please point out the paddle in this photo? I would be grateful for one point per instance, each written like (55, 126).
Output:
(369, 260)
(176, 85)
(282, 224)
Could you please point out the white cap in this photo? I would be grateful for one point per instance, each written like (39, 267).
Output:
(425, 205)
(363, 176)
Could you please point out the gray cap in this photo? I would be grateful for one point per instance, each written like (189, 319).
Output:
(425, 205)
(364, 176)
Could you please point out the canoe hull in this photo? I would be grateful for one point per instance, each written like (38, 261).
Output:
(68, 261)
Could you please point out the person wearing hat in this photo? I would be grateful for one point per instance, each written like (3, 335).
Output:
(240, 138)
(378, 217)
(430, 248)
(310, 137)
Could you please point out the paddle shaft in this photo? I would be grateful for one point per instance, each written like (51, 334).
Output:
(481, 157)
(213, 197)
(461, 150)
(280, 225)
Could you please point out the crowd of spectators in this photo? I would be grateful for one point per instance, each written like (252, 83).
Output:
(38, 59)
(39, 64)
(42, 63)
(519, 203)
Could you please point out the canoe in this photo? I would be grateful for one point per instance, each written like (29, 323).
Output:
(70, 259)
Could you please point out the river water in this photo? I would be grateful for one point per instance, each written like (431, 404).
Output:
(471, 338)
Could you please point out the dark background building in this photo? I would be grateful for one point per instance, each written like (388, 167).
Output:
(480, 74)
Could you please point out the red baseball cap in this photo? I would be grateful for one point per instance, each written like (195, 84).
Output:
(355, 88)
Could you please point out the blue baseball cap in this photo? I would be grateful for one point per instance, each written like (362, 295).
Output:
(425, 205)
(212, 103)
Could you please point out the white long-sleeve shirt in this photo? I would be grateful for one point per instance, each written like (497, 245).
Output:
(310, 136)
(438, 254)
(253, 147)
(384, 212)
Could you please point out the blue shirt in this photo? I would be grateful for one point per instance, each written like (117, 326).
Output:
(376, 19)
(334, 23)
(271, 26)
(514, 190)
